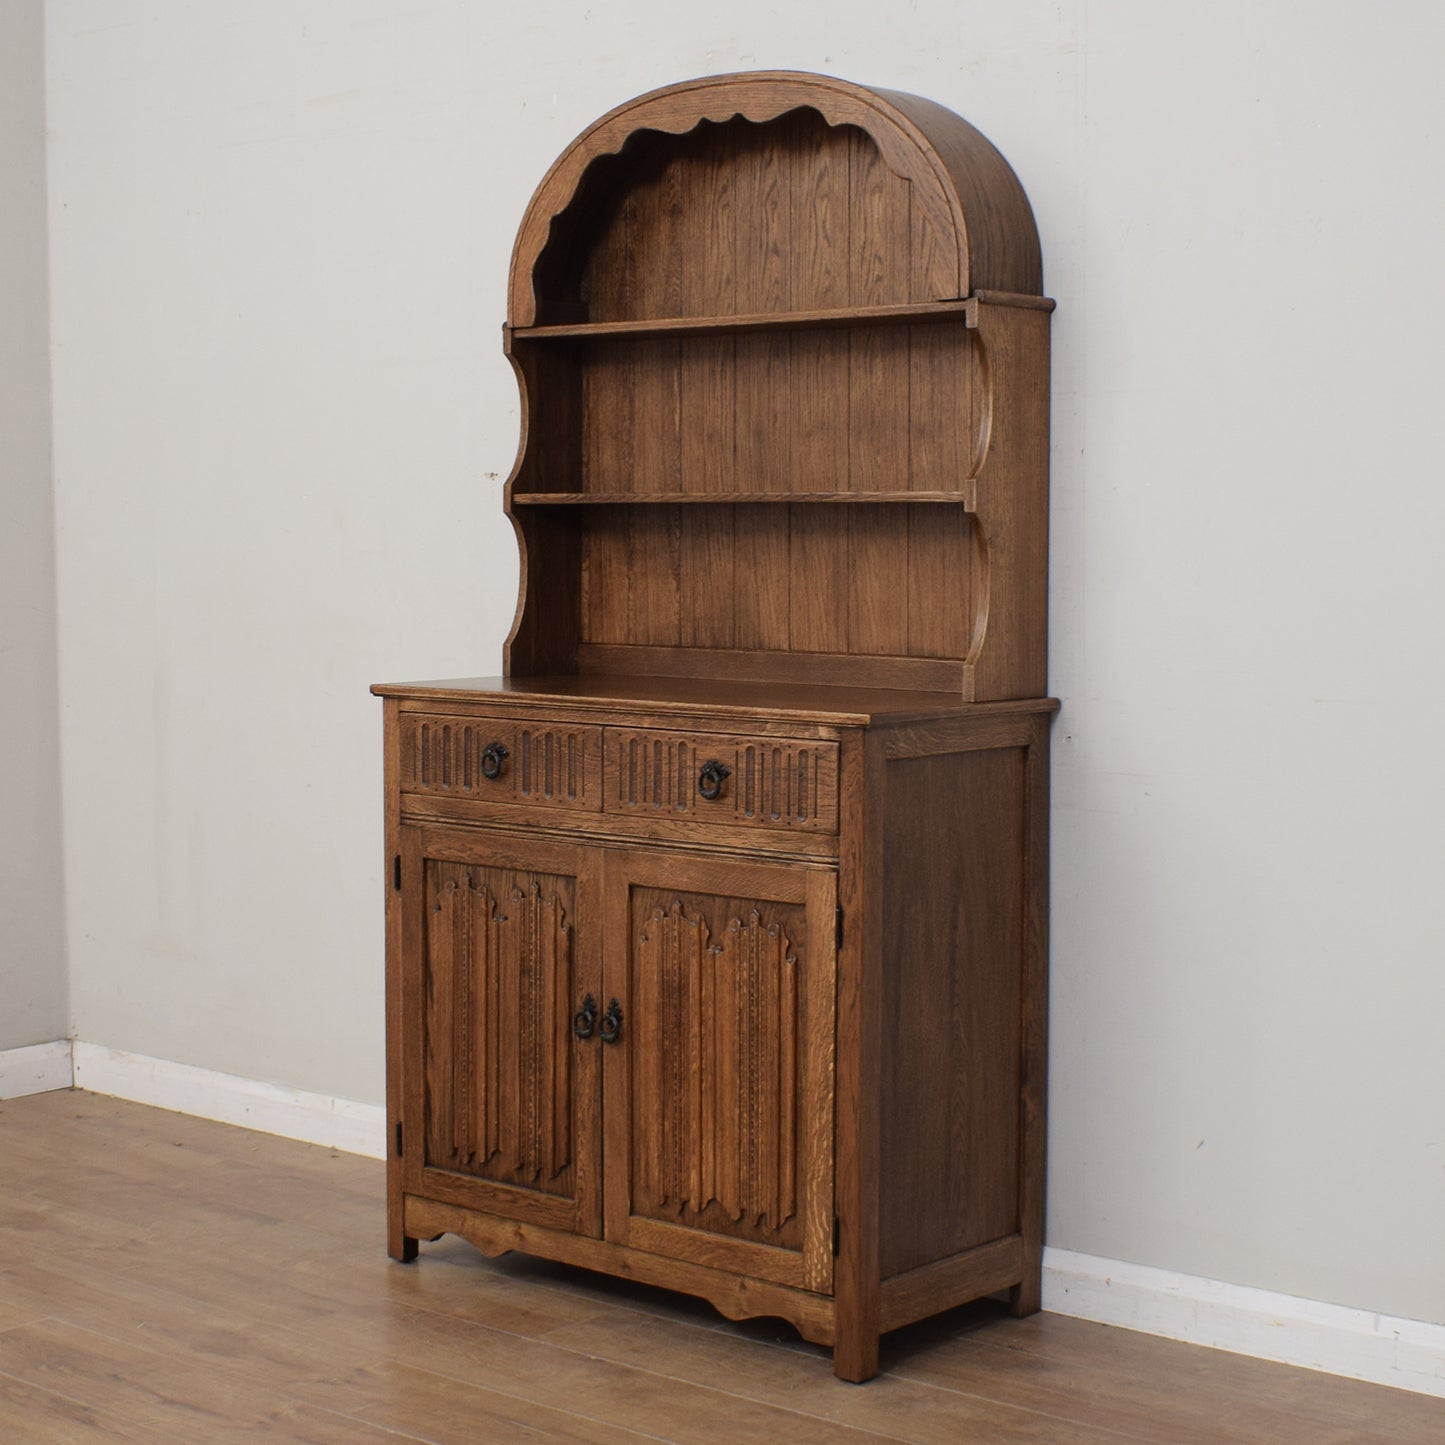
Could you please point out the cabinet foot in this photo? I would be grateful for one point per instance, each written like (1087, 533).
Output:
(1025, 1298)
(855, 1357)
(402, 1248)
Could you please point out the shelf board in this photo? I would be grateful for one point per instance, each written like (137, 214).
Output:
(630, 499)
(913, 314)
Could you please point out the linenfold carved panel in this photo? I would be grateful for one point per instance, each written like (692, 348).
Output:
(715, 1064)
(498, 990)
(771, 782)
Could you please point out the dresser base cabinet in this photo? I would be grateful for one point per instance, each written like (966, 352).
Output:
(805, 1084)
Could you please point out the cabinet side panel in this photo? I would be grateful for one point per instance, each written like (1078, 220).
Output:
(953, 900)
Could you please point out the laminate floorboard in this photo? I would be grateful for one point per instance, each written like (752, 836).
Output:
(166, 1279)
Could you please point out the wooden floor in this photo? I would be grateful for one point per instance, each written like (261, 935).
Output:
(167, 1279)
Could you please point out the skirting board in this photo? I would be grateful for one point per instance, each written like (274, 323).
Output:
(272, 1108)
(34, 1069)
(1406, 1354)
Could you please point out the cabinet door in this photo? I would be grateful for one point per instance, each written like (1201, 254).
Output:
(719, 1084)
(500, 949)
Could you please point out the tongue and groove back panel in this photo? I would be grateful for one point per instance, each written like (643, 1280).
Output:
(761, 434)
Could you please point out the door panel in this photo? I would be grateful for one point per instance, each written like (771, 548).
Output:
(504, 1103)
(719, 1089)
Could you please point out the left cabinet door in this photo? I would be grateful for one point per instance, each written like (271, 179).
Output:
(500, 1064)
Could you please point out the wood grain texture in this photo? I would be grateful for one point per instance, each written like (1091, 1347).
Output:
(176, 1335)
(1010, 646)
(660, 831)
(738, 274)
(726, 974)
(500, 1098)
(809, 411)
(544, 766)
(985, 236)
(771, 782)
(715, 1065)
(499, 1004)
(927, 1289)
(548, 619)
(779, 457)
(860, 1057)
(720, 202)
(826, 669)
(1027, 1295)
(953, 900)
(779, 706)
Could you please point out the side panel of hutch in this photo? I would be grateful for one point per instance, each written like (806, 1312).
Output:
(717, 925)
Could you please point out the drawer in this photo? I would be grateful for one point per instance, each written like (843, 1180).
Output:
(552, 765)
(770, 782)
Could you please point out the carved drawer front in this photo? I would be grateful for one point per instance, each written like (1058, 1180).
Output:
(766, 782)
(502, 760)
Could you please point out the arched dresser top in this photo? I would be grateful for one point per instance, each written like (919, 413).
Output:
(960, 182)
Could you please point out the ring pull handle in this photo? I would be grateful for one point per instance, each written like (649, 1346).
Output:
(493, 756)
(710, 778)
(610, 1029)
(584, 1021)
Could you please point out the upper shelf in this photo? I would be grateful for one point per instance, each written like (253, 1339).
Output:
(613, 499)
(912, 314)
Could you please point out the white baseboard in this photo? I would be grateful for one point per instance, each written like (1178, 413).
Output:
(35, 1069)
(1406, 1354)
(271, 1108)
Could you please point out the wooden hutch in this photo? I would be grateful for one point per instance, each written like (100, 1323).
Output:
(717, 925)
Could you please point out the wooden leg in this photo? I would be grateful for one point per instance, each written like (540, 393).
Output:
(855, 1353)
(1025, 1298)
(400, 1246)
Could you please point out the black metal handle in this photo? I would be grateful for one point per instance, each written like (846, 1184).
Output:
(710, 778)
(584, 1021)
(493, 756)
(611, 1026)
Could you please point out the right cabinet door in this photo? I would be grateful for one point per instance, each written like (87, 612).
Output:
(718, 1075)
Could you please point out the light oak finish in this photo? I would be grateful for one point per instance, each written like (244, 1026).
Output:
(148, 1316)
(717, 927)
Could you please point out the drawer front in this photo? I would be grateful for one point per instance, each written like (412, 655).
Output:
(552, 765)
(770, 782)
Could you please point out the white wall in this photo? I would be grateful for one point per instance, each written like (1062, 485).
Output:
(32, 914)
(280, 237)
(1251, 959)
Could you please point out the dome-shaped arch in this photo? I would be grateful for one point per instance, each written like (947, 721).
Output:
(978, 216)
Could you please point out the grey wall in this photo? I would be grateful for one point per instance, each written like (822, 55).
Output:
(280, 235)
(32, 952)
